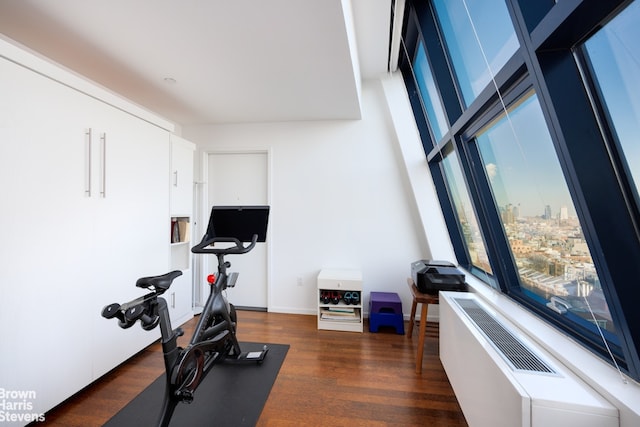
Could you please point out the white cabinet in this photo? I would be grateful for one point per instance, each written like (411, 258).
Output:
(46, 229)
(181, 176)
(340, 300)
(84, 214)
(180, 295)
(130, 231)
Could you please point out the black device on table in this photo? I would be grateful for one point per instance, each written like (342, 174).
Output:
(432, 276)
(214, 338)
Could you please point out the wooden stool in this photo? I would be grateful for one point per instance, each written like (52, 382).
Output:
(425, 300)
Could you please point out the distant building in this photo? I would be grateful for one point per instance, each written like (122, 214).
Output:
(564, 213)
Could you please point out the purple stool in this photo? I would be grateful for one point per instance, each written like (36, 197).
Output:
(385, 309)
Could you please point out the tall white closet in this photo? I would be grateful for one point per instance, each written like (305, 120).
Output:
(85, 212)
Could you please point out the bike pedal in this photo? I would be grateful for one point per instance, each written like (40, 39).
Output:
(185, 396)
(231, 280)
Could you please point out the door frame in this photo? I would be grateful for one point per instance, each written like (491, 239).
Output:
(202, 212)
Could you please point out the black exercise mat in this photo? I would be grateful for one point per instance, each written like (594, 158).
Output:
(232, 394)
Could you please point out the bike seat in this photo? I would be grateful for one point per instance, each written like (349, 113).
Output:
(159, 283)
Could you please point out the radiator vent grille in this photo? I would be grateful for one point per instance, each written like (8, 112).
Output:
(510, 347)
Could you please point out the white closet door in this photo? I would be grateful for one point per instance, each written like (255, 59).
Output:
(242, 179)
(66, 252)
(181, 176)
(46, 224)
(131, 228)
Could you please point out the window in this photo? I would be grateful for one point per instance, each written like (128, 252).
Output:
(429, 94)
(480, 40)
(536, 211)
(536, 160)
(614, 54)
(465, 215)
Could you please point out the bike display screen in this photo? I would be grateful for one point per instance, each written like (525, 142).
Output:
(239, 222)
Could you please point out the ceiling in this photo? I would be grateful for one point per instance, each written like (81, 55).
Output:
(215, 61)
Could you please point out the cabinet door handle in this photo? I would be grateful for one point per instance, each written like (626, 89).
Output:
(103, 164)
(87, 162)
(175, 178)
(173, 300)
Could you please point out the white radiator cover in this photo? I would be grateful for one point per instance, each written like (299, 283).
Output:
(492, 394)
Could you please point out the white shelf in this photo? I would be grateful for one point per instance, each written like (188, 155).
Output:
(180, 229)
(180, 296)
(180, 243)
(341, 316)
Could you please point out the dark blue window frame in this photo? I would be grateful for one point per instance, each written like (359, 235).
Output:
(550, 35)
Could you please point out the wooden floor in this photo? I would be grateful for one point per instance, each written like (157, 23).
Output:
(328, 378)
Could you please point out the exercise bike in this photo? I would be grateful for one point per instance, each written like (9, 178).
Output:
(214, 338)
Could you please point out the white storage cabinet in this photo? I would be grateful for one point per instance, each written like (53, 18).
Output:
(341, 316)
(85, 206)
(180, 295)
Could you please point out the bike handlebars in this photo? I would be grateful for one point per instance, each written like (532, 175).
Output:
(144, 308)
(204, 247)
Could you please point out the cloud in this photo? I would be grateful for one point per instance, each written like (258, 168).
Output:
(492, 170)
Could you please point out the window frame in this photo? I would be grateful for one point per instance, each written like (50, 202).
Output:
(551, 62)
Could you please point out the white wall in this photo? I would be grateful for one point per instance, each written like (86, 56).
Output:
(414, 165)
(340, 197)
